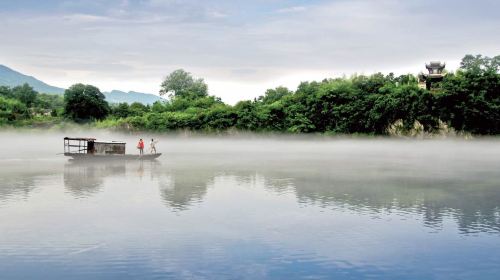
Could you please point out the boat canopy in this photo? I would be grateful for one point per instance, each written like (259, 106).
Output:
(85, 145)
(79, 138)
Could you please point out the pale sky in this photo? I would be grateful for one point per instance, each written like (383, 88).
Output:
(239, 47)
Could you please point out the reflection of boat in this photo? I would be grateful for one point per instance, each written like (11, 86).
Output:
(84, 178)
(90, 149)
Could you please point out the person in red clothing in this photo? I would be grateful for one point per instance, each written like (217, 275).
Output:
(140, 146)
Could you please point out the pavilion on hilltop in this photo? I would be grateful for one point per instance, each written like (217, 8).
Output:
(434, 77)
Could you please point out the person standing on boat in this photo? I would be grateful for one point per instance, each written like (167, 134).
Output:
(153, 145)
(140, 146)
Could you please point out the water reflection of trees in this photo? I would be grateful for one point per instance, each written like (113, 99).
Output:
(179, 187)
(471, 197)
(185, 187)
(16, 187)
(19, 180)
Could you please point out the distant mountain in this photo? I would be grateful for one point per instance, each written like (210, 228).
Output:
(12, 78)
(117, 96)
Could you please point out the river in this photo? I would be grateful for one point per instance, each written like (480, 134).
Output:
(252, 207)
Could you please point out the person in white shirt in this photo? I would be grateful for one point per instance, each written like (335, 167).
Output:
(153, 145)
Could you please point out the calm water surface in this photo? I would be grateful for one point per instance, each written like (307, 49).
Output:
(233, 208)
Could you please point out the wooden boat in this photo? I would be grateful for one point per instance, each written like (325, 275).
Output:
(91, 149)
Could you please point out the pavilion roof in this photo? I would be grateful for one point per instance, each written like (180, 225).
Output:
(435, 65)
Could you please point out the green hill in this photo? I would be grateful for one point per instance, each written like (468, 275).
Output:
(117, 96)
(12, 78)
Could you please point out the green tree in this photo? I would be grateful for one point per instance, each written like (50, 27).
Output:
(49, 101)
(12, 110)
(84, 102)
(273, 95)
(219, 117)
(478, 63)
(470, 99)
(25, 94)
(5, 91)
(158, 107)
(298, 108)
(138, 109)
(182, 84)
(371, 84)
(247, 118)
(121, 110)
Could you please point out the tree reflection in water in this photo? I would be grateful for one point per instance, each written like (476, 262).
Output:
(468, 194)
(185, 187)
(19, 179)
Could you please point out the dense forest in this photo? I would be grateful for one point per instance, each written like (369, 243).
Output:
(467, 100)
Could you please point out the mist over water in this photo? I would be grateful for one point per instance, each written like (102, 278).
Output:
(251, 207)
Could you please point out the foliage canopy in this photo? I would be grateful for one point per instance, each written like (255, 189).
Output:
(181, 84)
(84, 102)
(467, 100)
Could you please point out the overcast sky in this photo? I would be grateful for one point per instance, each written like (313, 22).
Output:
(239, 47)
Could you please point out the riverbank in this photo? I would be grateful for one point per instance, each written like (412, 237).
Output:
(68, 128)
(465, 103)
